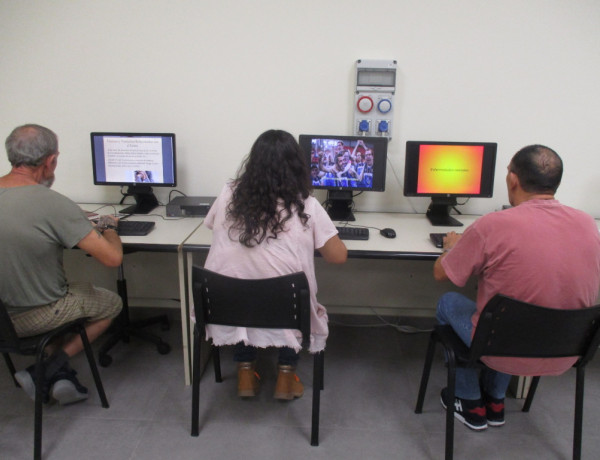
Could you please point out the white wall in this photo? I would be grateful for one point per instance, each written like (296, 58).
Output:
(218, 73)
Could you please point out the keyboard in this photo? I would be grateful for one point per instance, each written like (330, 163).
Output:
(134, 227)
(437, 239)
(353, 233)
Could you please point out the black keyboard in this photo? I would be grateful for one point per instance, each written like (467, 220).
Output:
(134, 227)
(353, 233)
(437, 239)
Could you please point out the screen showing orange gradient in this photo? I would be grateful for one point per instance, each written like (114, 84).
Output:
(452, 169)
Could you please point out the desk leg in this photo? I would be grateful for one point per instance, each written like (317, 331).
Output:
(184, 260)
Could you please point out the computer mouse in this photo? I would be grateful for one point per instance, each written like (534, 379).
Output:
(388, 232)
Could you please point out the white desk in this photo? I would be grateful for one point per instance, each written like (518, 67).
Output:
(411, 243)
(168, 235)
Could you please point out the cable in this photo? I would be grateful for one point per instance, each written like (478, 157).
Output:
(405, 329)
(401, 184)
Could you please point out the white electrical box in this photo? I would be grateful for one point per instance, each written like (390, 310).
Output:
(374, 98)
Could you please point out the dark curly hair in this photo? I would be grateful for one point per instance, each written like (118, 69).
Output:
(271, 186)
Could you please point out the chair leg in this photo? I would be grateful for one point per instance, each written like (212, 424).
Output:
(11, 367)
(318, 369)
(426, 372)
(530, 394)
(322, 370)
(577, 431)
(40, 369)
(450, 406)
(92, 362)
(216, 356)
(196, 383)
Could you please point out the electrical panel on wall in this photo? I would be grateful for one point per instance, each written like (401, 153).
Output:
(373, 104)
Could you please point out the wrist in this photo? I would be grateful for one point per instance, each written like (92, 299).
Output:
(108, 227)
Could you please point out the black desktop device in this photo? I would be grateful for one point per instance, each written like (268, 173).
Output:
(445, 171)
(190, 206)
(139, 161)
(344, 165)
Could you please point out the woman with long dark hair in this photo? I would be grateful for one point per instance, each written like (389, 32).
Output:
(265, 223)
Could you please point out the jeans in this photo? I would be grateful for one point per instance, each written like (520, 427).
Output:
(246, 353)
(456, 310)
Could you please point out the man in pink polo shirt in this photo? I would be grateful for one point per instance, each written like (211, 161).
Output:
(538, 251)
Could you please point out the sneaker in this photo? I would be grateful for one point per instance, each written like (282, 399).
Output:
(288, 384)
(494, 410)
(471, 412)
(66, 389)
(26, 380)
(248, 379)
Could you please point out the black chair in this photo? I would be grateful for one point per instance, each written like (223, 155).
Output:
(279, 303)
(34, 346)
(508, 327)
(123, 328)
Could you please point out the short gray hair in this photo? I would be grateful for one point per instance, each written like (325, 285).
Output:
(30, 144)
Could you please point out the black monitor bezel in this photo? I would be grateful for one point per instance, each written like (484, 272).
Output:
(411, 169)
(380, 146)
(133, 184)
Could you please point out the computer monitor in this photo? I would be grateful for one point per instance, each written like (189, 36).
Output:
(343, 165)
(138, 160)
(446, 171)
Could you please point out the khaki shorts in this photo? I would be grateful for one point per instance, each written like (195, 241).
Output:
(82, 299)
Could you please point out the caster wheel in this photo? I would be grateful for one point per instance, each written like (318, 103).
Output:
(104, 360)
(163, 348)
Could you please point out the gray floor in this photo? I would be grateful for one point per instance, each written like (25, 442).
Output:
(367, 410)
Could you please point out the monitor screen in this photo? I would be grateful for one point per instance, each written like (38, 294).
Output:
(138, 160)
(134, 158)
(345, 164)
(445, 171)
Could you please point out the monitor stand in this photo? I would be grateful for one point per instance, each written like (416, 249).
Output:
(339, 205)
(145, 201)
(438, 212)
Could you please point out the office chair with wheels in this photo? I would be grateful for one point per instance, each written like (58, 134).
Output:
(123, 327)
(34, 346)
(508, 327)
(280, 303)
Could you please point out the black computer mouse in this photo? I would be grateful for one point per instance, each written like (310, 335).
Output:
(388, 232)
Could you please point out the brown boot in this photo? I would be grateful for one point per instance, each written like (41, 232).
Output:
(288, 384)
(248, 379)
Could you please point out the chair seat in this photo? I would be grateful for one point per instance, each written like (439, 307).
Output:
(277, 303)
(508, 327)
(10, 343)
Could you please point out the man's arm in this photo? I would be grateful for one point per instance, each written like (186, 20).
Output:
(106, 247)
(450, 240)
(438, 270)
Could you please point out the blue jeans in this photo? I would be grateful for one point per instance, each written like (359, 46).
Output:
(246, 353)
(456, 310)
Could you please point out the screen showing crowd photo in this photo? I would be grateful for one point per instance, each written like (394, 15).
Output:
(133, 159)
(450, 169)
(344, 163)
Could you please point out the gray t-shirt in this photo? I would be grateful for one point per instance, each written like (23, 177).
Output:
(36, 224)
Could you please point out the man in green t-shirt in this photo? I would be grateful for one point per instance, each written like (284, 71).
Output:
(37, 224)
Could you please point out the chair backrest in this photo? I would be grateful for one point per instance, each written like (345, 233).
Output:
(282, 302)
(9, 341)
(509, 327)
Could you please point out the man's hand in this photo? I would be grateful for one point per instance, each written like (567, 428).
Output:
(450, 240)
(107, 221)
